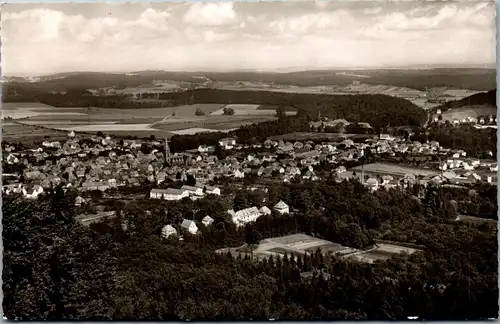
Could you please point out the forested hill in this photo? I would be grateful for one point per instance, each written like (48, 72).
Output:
(480, 99)
(378, 110)
(421, 79)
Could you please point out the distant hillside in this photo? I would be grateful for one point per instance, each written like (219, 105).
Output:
(420, 79)
(480, 99)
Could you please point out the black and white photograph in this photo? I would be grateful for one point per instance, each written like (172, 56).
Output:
(249, 161)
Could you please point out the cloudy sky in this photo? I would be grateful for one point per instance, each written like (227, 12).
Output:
(50, 38)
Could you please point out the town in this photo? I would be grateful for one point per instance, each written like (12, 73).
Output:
(102, 163)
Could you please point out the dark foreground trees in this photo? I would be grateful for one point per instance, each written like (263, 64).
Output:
(56, 269)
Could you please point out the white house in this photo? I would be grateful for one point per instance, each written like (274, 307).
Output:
(244, 216)
(71, 134)
(32, 192)
(239, 174)
(282, 208)
(196, 191)
(11, 159)
(212, 190)
(386, 179)
(265, 211)
(207, 220)
(168, 231)
(372, 184)
(79, 201)
(168, 194)
(190, 226)
(227, 143)
(494, 168)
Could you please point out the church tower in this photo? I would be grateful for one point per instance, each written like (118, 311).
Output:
(167, 152)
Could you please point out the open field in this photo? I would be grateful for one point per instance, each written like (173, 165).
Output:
(110, 127)
(472, 111)
(299, 244)
(393, 169)
(319, 136)
(212, 122)
(13, 132)
(144, 121)
(191, 131)
(472, 219)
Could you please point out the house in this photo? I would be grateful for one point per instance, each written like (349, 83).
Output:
(168, 231)
(227, 143)
(12, 159)
(71, 134)
(196, 191)
(449, 175)
(244, 216)
(32, 192)
(386, 179)
(210, 190)
(87, 219)
(79, 201)
(239, 174)
(190, 226)
(207, 221)
(282, 208)
(168, 194)
(265, 211)
(372, 184)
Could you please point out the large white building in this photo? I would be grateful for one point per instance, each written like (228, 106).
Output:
(168, 194)
(245, 216)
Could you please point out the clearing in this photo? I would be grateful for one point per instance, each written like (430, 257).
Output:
(472, 111)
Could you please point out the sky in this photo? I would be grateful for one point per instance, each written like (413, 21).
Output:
(226, 36)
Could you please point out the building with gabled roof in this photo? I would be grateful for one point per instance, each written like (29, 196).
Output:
(190, 226)
(265, 211)
(207, 220)
(168, 231)
(282, 208)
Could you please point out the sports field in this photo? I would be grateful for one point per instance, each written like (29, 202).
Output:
(393, 169)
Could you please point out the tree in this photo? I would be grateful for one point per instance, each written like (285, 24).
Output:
(228, 111)
(281, 112)
(199, 112)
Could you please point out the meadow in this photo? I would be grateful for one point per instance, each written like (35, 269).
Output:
(472, 111)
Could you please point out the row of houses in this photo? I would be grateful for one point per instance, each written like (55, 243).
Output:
(194, 192)
(186, 224)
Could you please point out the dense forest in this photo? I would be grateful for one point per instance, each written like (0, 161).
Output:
(56, 269)
(485, 98)
(476, 142)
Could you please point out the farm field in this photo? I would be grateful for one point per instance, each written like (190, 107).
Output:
(464, 112)
(110, 127)
(298, 136)
(212, 122)
(393, 169)
(25, 134)
(191, 131)
(144, 121)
